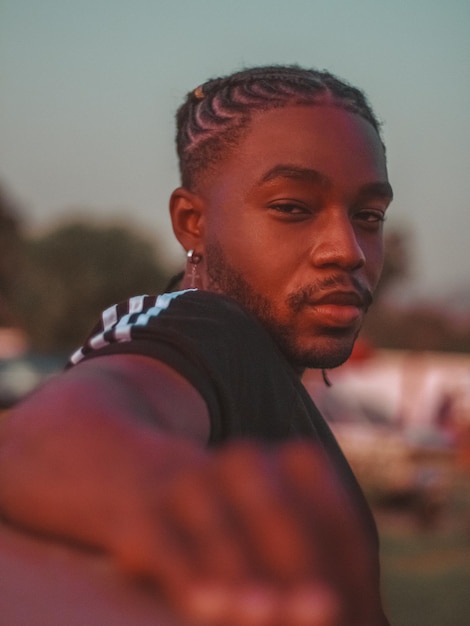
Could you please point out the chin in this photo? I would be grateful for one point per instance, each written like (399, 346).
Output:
(320, 360)
(323, 353)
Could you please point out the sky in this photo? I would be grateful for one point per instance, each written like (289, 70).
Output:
(89, 88)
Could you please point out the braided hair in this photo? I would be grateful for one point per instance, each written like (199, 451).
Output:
(214, 116)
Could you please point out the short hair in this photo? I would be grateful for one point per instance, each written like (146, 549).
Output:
(214, 115)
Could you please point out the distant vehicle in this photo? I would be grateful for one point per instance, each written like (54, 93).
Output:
(20, 375)
(393, 469)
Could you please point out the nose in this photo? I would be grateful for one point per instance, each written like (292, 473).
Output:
(336, 243)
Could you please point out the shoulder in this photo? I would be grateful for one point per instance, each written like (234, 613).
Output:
(150, 389)
(179, 318)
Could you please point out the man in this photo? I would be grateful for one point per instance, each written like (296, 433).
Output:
(284, 193)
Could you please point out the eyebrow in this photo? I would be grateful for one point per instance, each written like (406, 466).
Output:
(298, 173)
(383, 190)
(379, 188)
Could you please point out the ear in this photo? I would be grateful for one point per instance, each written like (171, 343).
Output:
(187, 217)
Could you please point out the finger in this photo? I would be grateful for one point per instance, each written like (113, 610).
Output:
(348, 561)
(156, 553)
(315, 487)
(144, 545)
(212, 603)
(193, 508)
(252, 488)
(261, 604)
(313, 604)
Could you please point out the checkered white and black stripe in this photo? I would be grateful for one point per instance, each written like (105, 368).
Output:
(119, 320)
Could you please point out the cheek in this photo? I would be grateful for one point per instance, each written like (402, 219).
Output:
(251, 254)
(242, 237)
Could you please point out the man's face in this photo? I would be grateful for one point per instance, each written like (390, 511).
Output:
(293, 227)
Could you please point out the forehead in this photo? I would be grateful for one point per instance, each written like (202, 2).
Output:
(340, 145)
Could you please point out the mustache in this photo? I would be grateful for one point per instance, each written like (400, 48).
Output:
(315, 292)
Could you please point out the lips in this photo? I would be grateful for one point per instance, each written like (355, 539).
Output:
(340, 298)
(338, 308)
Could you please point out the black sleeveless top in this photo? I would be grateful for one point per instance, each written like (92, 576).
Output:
(250, 389)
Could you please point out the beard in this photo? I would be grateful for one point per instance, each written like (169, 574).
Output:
(332, 348)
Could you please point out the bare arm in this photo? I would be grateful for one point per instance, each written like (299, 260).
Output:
(112, 455)
(87, 436)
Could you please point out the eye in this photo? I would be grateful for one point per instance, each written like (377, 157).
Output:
(371, 217)
(289, 208)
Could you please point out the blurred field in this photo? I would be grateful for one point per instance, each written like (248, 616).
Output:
(426, 573)
(402, 419)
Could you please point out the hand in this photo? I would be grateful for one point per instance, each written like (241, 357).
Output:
(249, 534)
(258, 536)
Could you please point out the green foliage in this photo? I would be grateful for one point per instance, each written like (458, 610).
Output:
(74, 272)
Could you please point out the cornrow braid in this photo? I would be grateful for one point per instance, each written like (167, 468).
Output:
(212, 119)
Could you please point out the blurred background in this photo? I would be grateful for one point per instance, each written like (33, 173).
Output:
(88, 95)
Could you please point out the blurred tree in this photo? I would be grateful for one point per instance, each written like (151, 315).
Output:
(10, 257)
(397, 260)
(416, 326)
(76, 271)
